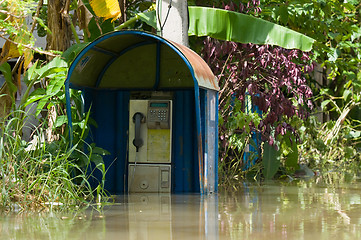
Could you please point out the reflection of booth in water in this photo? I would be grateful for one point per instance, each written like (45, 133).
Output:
(155, 103)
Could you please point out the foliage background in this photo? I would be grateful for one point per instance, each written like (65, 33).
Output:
(329, 138)
(302, 107)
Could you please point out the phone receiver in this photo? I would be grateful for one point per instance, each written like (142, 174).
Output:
(138, 118)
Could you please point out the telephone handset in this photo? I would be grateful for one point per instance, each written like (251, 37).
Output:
(138, 118)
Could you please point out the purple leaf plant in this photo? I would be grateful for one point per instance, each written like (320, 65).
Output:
(274, 78)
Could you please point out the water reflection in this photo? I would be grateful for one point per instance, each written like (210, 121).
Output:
(303, 210)
(137, 216)
(300, 211)
(154, 216)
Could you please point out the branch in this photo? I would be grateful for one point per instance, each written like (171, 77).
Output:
(28, 46)
(336, 128)
(40, 4)
(127, 23)
(10, 14)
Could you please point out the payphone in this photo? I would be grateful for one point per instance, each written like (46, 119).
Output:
(150, 141)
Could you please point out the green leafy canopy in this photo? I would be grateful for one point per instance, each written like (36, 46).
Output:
(232, 26)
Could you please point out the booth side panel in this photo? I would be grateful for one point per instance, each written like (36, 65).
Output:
(212, 140)
(185, 160)
(204, 103)
(216, 142)
(122, 125)
(89, 105)
(193, 131)
(103, 115)
(110, 111)
(178, 163)
(209, 117)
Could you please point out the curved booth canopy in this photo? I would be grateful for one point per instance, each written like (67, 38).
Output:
(135, 60)
(127, 75)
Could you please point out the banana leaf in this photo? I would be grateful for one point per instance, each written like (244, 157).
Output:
(237, 27)
(271, 161)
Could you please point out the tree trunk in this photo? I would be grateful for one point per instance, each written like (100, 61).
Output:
(59, 24)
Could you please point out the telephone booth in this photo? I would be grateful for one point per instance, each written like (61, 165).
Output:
(156, 106)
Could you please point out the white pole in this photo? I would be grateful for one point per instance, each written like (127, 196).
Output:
(172, 20)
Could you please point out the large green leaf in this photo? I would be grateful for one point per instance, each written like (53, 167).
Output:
(36, 95)
(237, 27)
(55, 85)
(149, 18)
(60, 120)
(70, 54)
(290, 150)
(56, 65)
(94, 25)
(5, 69)
(271, 161)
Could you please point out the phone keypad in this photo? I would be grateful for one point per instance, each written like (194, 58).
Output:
(158, 115)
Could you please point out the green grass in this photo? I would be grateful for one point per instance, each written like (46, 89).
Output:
(40, 175)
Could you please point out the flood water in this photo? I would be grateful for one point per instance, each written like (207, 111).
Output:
(303, 210)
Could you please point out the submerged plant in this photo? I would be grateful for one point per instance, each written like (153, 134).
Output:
(342, 154)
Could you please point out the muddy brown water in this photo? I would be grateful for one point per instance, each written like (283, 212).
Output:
(271, 211)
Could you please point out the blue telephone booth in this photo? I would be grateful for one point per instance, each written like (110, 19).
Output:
(156, 106)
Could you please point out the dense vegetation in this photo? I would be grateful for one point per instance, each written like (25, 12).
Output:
(278, 107)
(38, 168)
(313, 119)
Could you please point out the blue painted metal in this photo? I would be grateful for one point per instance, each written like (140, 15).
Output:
(68, 113)
(110, 110)
(209, 126)
(178, 145)
(204, 126)
(254, 147)
(191, 182)
(199, 138)
(110, 135)
(121, 131)
(105, 137)
(211, 137)
(216, 144)
(185, 164)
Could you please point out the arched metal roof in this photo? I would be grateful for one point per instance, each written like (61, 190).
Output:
(136, 60)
